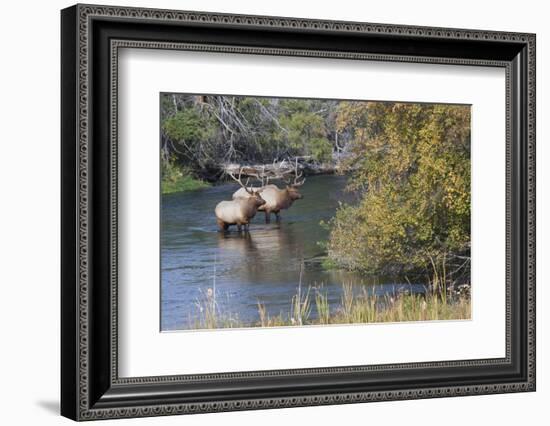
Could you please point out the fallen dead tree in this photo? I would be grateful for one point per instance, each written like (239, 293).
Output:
(279, 169)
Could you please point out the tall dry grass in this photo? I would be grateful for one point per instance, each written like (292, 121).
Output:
(355, 306)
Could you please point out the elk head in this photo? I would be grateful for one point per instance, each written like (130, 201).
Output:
(258, 200)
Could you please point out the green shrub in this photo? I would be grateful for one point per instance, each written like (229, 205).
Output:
(179, 179)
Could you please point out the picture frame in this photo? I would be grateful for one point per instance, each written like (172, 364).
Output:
(91, 388)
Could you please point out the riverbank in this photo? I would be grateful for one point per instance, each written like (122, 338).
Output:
(177, 179)
(306, 165)
(362, 308)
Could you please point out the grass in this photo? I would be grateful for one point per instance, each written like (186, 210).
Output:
(322, 306)
(353, 308)
(176, 179)
(184, 183)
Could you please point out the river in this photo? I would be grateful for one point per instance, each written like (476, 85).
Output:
(243, 269)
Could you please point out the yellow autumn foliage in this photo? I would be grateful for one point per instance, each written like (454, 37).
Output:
(411, 168)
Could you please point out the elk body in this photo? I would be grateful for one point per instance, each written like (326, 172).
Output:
(276, 199)
(239, 211)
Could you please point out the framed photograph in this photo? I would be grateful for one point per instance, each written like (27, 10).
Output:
(263, 212)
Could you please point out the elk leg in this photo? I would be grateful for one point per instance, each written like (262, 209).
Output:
(267, 216)
(239, 227)
(278, 217)
(222, 225)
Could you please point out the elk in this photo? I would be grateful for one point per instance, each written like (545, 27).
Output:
(276, 199)
(239, 211)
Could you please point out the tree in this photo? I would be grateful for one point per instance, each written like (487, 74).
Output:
(306, 128)
(203, 132)
(411, 167)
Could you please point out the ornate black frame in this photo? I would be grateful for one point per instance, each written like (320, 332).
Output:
(91, 37)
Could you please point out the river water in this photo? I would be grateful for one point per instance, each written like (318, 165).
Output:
(243, 269)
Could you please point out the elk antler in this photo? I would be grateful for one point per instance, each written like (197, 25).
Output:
(297, 175)
(240, 182)
(263, 176)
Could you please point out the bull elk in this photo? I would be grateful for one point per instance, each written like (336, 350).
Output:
(276, 199)
(239, 211)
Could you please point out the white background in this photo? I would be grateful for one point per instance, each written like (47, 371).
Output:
(29, 225)
(146, 352)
